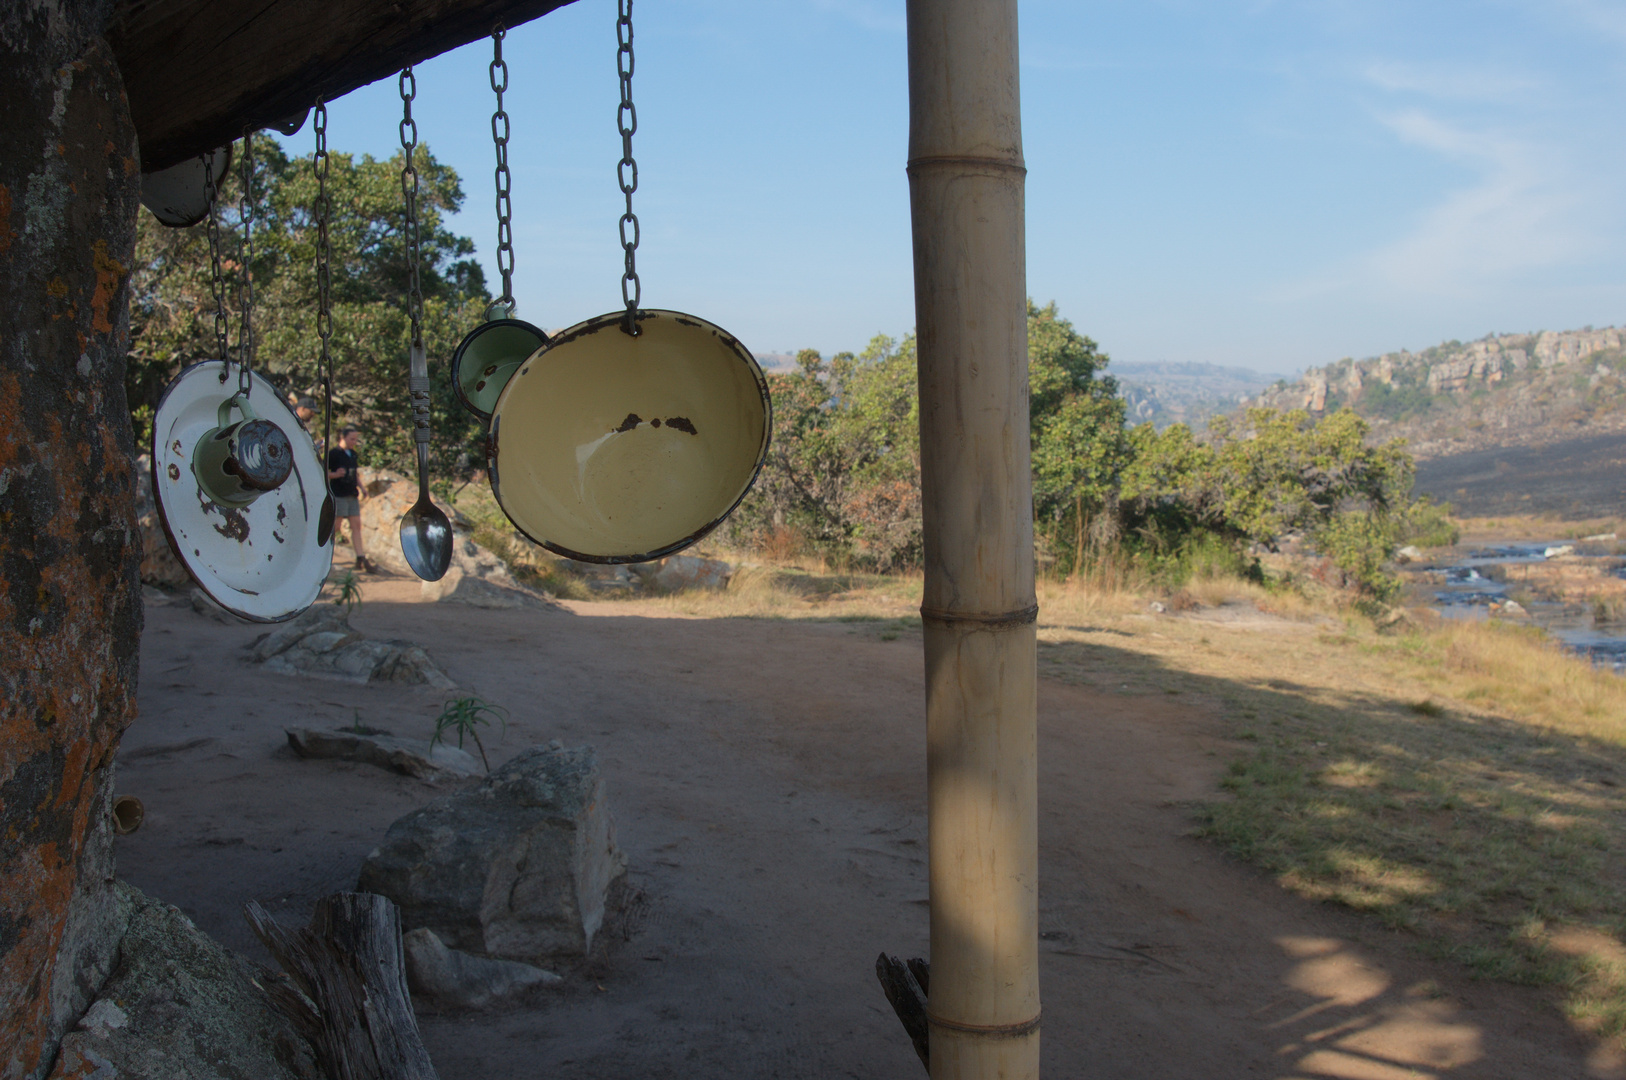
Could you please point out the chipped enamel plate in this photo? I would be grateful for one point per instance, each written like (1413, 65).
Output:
(617, 449)
(263, 561)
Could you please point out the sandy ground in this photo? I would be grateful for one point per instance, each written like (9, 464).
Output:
(768, 781)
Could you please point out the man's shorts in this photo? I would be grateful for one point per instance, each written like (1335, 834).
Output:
(346, 506)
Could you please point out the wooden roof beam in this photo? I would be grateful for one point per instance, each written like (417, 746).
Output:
(200, 72)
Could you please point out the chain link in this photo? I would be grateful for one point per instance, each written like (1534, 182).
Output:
(409, 189)
(324, 273)
(217, 277)
(626, 121)
(505, 180)
(245, 336)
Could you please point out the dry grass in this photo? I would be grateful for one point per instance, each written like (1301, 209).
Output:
(1535, 527)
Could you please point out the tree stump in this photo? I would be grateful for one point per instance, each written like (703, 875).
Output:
(348, 995)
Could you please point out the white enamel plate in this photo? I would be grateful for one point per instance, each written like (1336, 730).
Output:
(616, 449)
(262, 561)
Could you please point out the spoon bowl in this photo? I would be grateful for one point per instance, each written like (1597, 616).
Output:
(426, 533)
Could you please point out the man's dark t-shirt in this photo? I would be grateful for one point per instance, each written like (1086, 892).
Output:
(343, 486)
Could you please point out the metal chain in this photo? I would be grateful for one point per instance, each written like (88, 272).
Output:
(626, 121)
(245, 336)
(324, 274)
(505, 180)
(409, 189)
(217, 277)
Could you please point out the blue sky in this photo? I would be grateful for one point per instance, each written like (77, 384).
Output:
(1265, 184)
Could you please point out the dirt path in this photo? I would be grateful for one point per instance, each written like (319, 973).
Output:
(768, 782)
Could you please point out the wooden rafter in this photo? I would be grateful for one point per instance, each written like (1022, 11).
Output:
(200, 72)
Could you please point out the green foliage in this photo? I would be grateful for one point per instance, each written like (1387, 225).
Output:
(172, 305)
(465, 716)
(843, 473)
(348, 592)
(1429, 524)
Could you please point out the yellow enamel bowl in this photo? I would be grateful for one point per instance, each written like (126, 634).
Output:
(610, 448)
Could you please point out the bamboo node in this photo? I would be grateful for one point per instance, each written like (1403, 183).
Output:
(995, 620)
(996, 1031)
(966, 161)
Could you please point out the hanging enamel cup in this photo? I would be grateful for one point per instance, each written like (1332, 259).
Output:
(179, 195)
(254, 550)
(488, 356)
(611, 448)
(236, 463)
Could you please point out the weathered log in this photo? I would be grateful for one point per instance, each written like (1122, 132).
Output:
(905, 987)
(199, 72)
(349, 995)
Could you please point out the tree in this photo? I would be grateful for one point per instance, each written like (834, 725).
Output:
(172, 312)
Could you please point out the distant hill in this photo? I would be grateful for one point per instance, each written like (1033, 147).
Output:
(1184, 393)
(1503, 390)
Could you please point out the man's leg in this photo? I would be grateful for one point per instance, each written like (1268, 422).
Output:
(356, 541)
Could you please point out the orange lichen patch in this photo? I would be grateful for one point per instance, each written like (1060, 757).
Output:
(109, 276)
(57, 288)
(7, 234)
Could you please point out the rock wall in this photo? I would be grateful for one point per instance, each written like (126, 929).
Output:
(70, 610)
(1504, 389)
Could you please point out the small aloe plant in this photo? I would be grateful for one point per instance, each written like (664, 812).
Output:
(348, 592)
(465, 716)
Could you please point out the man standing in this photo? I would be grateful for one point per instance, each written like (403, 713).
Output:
(342, 468)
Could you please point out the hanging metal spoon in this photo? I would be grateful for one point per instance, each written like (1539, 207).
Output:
(426, 534)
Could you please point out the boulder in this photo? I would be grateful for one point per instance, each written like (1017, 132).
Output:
(454, 979)
(1558, 551)
(320, 643)
(1409, 554)
(678, 572)
(409, 757)
(480, 579)
(179, 1005)
(476, 576)
(517, 868)
(159, 566)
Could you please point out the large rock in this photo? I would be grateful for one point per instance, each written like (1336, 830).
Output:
(179, 1005)
(475, 577)
(454, 979)
(678, 572)
(321, 643)
(518, 868)
(159, 566)
(409, 757)
(480, 579)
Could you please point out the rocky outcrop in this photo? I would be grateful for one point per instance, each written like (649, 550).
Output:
(159, 566)
(518, 868)
(321, 643)
(179, 1005)
(1504, 389)
(476, 576)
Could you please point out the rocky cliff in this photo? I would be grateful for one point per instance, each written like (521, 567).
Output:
(1504, 389)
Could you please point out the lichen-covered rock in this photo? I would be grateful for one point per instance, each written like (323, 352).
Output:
(677, 572)
(518, 868)
(321, 643)
(180, 1005)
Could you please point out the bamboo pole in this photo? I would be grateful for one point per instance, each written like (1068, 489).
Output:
(966, 179)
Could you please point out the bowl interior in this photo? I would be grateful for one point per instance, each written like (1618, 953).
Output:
(606, 446)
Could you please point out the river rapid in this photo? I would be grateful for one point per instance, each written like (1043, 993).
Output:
(1575, 590)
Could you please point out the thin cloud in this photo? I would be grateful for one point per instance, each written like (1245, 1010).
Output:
(1449, 82)
(1524, 212)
